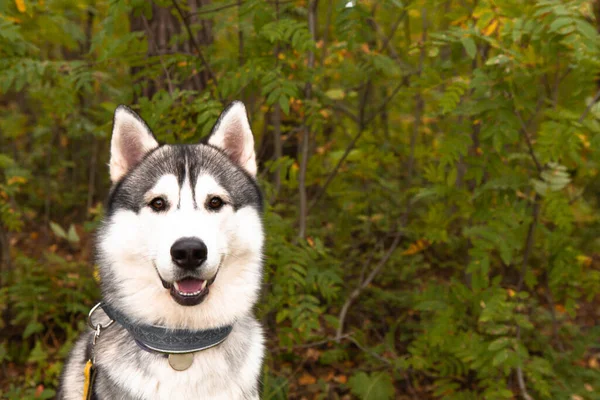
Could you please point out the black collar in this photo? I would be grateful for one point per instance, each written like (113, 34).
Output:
(171, 341)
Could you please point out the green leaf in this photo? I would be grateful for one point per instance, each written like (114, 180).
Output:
(559, 23)
(470, 46)
(377, 386)
(499, 344)
(58, 230)
(72, 235)
(284, 103)
(335, 94)
(32, 327)
(501, 357)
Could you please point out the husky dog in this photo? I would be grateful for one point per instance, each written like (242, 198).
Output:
(180, 259)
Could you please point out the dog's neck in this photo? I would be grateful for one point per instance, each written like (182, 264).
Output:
(166, 340)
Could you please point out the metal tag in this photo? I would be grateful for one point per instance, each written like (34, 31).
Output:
(181, 362)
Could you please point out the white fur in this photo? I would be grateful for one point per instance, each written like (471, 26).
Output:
(234, 136)
(234, 241)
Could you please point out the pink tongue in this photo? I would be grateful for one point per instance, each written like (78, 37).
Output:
(190, 285)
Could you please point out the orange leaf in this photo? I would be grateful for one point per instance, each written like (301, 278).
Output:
(307, 379)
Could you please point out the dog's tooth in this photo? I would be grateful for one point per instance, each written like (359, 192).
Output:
(203, 285)
(176, 286)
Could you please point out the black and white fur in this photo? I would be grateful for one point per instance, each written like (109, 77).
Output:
(137, 271)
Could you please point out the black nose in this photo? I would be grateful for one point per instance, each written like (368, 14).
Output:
(189, 253)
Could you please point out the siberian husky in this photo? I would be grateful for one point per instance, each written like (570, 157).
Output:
(180, 260)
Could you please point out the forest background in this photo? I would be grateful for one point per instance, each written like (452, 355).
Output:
(430, 168)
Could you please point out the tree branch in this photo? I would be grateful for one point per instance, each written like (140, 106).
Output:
(197, 47)
(354, 295)
(351, 145)
(589, 107)
(312, 16)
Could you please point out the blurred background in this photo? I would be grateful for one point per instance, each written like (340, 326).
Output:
(430, 170)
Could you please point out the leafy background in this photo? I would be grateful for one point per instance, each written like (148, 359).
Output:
(431, 171)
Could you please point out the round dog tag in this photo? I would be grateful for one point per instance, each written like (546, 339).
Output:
(181, 362)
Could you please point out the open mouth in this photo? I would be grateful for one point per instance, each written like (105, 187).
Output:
(189, 291)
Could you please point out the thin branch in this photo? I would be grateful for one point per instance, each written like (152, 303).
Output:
(351, 145)
(529, 241)
(240, 35)
(589, 107)
(345, 110)
(312, 17)
(372, 353)
(394, 28)
(520, 379)
(276, 121)
(211, 10)
(385, 102)
(524, 129)
(335, 170)
(197, 47)
(366, 283)
(311, 344)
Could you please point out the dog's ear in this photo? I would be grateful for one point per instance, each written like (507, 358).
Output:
(233, 135)
(131, 141)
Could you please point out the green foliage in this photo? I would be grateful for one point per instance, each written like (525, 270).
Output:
(473, 129)
(370, 387)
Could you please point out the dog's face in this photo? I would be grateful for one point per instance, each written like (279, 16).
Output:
(182, 241)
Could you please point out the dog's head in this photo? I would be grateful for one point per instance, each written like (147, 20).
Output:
(182, 240)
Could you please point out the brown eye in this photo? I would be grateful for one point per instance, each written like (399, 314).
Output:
(158, 204)
(215, 203)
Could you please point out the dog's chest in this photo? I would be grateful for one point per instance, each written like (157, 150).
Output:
(209, 377)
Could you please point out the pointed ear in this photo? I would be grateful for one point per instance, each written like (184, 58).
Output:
(131, 141)
(233, 135)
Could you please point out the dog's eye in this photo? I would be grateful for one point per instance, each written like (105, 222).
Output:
(158, 204)
(215, 203)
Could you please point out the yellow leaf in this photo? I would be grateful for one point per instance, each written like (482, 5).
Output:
(491, 28)
(20, 5)
(584, 260)
(416, 247)
(16, 180)
(511, 292)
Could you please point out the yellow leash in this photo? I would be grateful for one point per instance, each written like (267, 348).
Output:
(89, 372)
